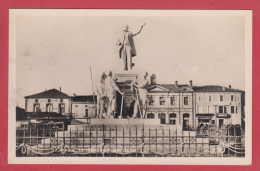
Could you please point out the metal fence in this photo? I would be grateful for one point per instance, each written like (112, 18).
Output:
(128, 141)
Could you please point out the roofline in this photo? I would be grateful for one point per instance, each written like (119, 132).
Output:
(27, 97)
(69, 97)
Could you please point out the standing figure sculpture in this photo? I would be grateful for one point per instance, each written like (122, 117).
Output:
(101, 96)
(127, 47)
(111, 89)
(139, 88)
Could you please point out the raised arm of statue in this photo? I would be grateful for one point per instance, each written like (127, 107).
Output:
(139, 30)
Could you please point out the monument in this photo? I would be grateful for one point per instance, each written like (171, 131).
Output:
(124, 95)
(127, 47)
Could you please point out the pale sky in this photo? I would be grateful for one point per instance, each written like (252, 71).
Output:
(57, 51)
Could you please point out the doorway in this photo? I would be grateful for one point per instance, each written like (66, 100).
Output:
(220, 123)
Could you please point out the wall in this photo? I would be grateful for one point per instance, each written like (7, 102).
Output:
(178, 108)
(203, 105)
(29, 103)
(79, 110)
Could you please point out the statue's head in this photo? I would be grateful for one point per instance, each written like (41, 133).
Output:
(109, 73)
(103, 75)
(126, 28)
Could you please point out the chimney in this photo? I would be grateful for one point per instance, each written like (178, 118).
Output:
(60, 88)
(190, 83)
(176, 84)
(153, 79)
(229, 86)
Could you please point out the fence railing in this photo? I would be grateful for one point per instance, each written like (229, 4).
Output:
(134, 141)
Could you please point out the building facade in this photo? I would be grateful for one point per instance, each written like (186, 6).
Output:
(218, 105)
(172, 103)
(49, 101)
(83, 107)
(183, 105)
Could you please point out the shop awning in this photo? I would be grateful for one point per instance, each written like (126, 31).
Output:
(204, 115)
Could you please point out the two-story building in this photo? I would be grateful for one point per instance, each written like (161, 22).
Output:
(218, 105)
(49, 101)
(172, 103)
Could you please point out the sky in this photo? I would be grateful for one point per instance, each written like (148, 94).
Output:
(58, 51)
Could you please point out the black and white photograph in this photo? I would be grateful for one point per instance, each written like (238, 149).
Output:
(130, 87)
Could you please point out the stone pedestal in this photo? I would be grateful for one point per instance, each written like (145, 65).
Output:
(124, 80)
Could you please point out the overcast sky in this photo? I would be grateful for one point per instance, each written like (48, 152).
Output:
(57, 51)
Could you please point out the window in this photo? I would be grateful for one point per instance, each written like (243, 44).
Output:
(151, 100)
(86, 112)
(232, 109)
(150, 115)
(232, 98)
(36, 107)
(49, 100)
(61, 100)
(199, 97)
(220, 109)
(221, 97)
(172, 115)
(213, 122)
(36, 100)
(162, 100)
(173, 122)
(186, 115)
(49, 107)
(209, 98)
(186, 102)
(162, 116)
(61, 108)
(173, 100)
(236, 109)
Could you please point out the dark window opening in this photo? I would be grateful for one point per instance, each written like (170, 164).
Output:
(232, 109)
(173, 122)
(186, 102)
(220, 109)
(221, 98)
(172, 100)
(172, 115)
(150, 116)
